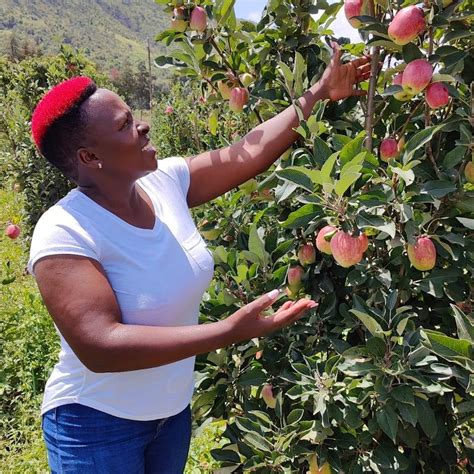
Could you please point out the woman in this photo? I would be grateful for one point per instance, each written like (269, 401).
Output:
(122, 268)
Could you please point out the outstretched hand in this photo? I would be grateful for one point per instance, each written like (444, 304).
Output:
(338, 80)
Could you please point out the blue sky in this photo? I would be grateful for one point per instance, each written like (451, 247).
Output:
(252, 9)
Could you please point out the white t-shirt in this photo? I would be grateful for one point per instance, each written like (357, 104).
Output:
(158, 275)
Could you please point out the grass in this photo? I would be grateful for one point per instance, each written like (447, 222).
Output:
(28, 350)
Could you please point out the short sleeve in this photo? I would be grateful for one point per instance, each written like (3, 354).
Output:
(177, 169)
(60, 233)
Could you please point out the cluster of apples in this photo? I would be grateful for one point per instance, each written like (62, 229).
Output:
(231, 89)
(407, 25)
(348, 250)
(183, 18)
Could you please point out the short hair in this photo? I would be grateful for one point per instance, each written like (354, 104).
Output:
(59, 122)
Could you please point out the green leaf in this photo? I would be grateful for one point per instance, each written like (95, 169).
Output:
(345, 182)
(410, 52)
(302, 216)
(408, 413)
(464, 326)
(258, 442)
(351, 149)
(225, 455)
(321, 150)
(419, 139)
(254, 376)
(365, 220)
(257, 246)
(295, 416)
(438, 189)
(297, 177)
(388, 421)
(299, 71)
(369, 322)
(448, 346)
(426, 417)
(287, 76)
(468, 223)
(403, 394)
(327, 168)
(213, 122)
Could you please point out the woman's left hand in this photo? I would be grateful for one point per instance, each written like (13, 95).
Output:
(338, 80)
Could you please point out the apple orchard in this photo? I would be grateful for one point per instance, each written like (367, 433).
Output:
(371, 213)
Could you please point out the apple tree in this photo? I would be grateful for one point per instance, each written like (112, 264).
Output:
(371, 213)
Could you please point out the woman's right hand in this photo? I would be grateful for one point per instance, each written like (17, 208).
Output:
(248, 322)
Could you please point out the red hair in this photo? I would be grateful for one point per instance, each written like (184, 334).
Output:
(55, 103)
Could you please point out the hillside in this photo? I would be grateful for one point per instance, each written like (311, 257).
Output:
(111, 32)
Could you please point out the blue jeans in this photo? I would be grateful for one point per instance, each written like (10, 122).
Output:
(82, 440)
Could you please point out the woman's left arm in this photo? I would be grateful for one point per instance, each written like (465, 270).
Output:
(215, 172)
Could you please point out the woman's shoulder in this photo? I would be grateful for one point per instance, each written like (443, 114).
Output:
(173, 169)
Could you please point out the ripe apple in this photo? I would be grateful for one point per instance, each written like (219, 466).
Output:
(422, 255)
(346, 249)
(406, 25)
(306, 254)
(322, 244)
(353, 8)
(169, 109)
(239, 96)
(416, 76)
(198, 20)
(364, 242)
(267, 395)
(388, 149)
(437, 95)
(12, 231)
(295, 274)
(469, 172)
(402, 95)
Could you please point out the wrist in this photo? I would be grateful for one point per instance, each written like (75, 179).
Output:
(319, 91)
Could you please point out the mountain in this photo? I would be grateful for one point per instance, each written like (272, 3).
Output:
(111, 32)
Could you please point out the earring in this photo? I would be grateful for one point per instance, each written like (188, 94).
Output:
(99, 165)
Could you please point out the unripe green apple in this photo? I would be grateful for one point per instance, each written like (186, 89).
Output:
(225, 89)
(246, 79)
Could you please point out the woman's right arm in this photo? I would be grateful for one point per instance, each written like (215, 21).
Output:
(81, 301)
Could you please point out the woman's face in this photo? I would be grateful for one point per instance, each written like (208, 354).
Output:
(116, 139)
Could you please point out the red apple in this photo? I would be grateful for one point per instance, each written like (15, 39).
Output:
(306, 254)
(416, 76)
(12, 231)
(437, 95)
(346, 249)
(364, 242)
(469, 172)
(407, 24)
(322, 244)
(267, 395)
(402, 95)
(169, 109)
(422, 255)
(198, 20)
(388, 149)
(295, 274)
(239, 96)
(353, 8)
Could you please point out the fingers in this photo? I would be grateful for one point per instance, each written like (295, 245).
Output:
(361, 61)
(292, 313)
(261, 303)
(337, 52)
